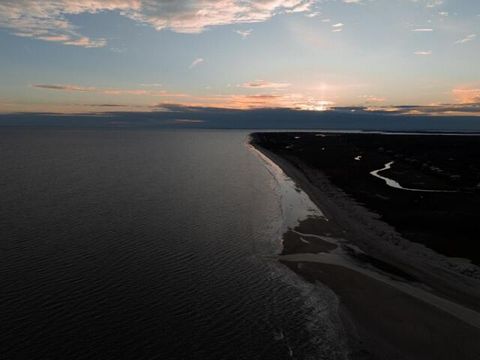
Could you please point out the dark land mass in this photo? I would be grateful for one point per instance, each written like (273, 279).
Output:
(447, 222)
(398, 299)
(181, 117)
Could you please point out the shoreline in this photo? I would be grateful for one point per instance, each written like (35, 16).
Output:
(381, 278)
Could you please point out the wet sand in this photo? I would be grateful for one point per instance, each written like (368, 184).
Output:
(386, 323)
(399, 300)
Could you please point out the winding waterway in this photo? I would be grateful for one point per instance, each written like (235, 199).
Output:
(394, 184)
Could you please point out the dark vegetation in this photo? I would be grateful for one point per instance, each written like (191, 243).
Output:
(448, 222)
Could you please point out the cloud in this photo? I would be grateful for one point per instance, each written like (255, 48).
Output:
(467, 100)
(108, 91)
(262, 84)
(69, 88)
(465, 95)
(338, 27)
(193, 16)
(105, 105)
(429, 110)
(196, 62)
(423, 52)
(86, 42)
(422, 30)
(466, 39)
(56, 38)
(49, 20)
(151, 85)
(259, 101)
(429, 4)
(372, 99)
(244, 33)
(434, 3)
(126, 92)
(254, 101)
(303, 6)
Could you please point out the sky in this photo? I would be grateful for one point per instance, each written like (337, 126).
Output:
(74, 56)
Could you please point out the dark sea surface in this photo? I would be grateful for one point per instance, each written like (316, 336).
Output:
(131, 244)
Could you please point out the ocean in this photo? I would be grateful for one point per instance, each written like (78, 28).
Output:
(151, 244)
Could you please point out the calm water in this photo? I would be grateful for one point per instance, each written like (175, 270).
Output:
(148, 245)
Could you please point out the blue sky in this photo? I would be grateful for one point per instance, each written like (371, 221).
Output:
(77, 56)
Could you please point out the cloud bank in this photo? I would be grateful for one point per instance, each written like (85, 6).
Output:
(49, 20)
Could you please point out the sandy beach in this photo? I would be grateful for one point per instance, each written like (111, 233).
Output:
(398, 299)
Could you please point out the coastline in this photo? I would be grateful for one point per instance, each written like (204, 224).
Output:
(399, 300)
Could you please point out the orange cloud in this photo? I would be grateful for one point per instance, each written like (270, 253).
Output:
(372, 99)
(231, 101)
(257, 101)
(466, 95)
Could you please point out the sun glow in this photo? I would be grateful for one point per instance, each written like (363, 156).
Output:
(321, 105)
